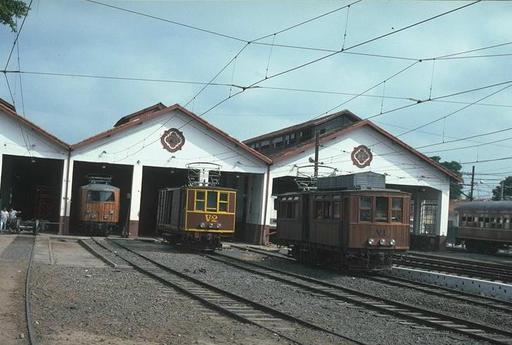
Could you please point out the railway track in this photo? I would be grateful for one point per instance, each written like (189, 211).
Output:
(418, 315)
(31, 334)
(458, 266)
(237, 307)
(489, 302)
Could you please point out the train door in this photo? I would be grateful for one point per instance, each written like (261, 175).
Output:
(306, 217)
(346, 220)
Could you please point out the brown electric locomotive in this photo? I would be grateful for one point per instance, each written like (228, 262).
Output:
(351, 221)
(99, 206)
(196, 216)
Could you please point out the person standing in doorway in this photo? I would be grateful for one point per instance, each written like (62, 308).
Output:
(4, 215)
(13, 219)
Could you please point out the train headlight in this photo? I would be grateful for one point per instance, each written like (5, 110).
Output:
(219, 225)
(382, 242)
(371, 241)
(202, 225)
(392, 242)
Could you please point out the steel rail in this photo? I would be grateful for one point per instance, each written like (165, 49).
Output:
(31, 334)
(402, 310)
(224, 301)
(472, 270)
(489, 302)
(495, 265)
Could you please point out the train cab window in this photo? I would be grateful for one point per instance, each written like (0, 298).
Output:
(397, 206)
(381, 209)
(365, 209)
(287, 209)
(223, 202)
(200, 200)
(100, 196)
(212, 199)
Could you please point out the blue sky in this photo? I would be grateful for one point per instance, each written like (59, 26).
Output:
(80, 37)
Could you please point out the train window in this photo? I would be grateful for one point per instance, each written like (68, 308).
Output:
(200, 199)
(322, 209)
(100, 196)
(211, 202)
(381, 209)
(336, 209)
(397, 209)
(365, 209)
(288, 210)
(223, 202)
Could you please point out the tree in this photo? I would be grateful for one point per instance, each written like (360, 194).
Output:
(507, 191)
(455, 188)
(10, 10)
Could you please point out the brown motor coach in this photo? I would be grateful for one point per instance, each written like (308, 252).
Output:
(355, 229)
(196, 216)
(99, 207)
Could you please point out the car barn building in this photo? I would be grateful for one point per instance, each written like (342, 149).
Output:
(155, 147)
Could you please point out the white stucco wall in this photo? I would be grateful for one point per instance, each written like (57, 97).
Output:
(401, 166)
(140, 146)
(18, 139)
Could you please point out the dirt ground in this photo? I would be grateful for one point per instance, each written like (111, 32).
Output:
(12, 309)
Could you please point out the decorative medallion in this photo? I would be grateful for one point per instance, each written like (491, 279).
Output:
(173, 140)
(361, 156)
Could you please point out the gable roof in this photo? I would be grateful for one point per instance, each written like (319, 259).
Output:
(287, 153)
(130, 117)
(310, 123)
(153, 112)
(9, 109)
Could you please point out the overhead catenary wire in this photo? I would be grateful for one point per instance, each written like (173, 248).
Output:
(234, 59)
(17, 36)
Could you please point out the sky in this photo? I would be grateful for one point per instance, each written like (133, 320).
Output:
(372, 76)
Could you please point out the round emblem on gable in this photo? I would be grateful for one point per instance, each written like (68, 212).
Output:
(361, 156)
(172, 140)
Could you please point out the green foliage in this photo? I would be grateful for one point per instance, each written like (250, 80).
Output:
(10, 10)
(507, 191)
(455, 188)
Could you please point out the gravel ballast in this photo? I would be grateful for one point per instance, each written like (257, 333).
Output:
(76, 305)
(355, 322)
(456, 308)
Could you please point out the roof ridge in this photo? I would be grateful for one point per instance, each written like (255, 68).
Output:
(314, 121)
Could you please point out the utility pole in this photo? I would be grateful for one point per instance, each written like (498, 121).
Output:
(502, 189)
(472, 183)
(317, 145)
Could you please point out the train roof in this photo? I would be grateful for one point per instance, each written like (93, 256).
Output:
(502, 205)
(100, 187)
(331, 191)
(200, 187)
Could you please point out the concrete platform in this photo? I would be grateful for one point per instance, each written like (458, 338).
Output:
(465, 284)
(56, 250)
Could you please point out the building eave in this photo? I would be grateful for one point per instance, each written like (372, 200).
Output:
(291, 152)
(142, 117)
